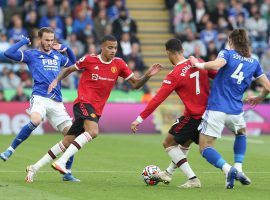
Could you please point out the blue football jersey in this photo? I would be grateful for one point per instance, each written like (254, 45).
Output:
(44, 69)
(232, 81)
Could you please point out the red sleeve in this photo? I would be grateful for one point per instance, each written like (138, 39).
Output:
(125, 72)
(81, 63)
(212, 73)
(168, 86)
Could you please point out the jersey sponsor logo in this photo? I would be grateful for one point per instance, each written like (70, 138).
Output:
(96, 77)
(113, 70)
(167, 82)
(96, 67)
(105, 79)
(50, 64)
(185, 69)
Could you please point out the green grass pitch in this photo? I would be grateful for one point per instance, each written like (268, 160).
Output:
(110, 169)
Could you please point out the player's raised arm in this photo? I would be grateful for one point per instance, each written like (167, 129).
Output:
(211, 65)
(63, 74)
(64, 48)
(13, 52)
(139, 82)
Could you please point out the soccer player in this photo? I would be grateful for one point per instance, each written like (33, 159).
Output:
(225, 106)
(192, 87)
(44, 64)
(97, 80)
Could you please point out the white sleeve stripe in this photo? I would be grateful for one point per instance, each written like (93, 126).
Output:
(76, 67)
(132, 74)
(259, 76)
(66, 62)
(22, 56)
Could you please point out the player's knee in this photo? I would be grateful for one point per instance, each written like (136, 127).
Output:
(201, 149)
(36, 121)
(36, 118)
(206, 141)
(165, 144)
(93, 133)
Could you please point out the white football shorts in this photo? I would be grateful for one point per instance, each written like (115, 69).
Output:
(213, 123)
(54, 111)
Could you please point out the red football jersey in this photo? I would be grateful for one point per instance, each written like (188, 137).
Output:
(190, 84)
(98, 79)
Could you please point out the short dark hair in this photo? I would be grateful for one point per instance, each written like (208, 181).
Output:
(44, 30)
(108, 38)
(174, 45)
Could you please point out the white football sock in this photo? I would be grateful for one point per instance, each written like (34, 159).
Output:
(51, 155)
(226, 168)
(11, 149)
(74, 147)
(185, 150)
(172, 167)
(238, 166)
(179, 158)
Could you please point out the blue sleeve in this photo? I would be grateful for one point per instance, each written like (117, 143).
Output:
(258, 72)
(71, 56)
(14, 53)
(224, 53)
(65, 62)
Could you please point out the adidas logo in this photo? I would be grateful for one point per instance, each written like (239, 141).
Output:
(96, 67)
(41, 56)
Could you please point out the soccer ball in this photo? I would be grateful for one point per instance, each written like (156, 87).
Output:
(150, 173)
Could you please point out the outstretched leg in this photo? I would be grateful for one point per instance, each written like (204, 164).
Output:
(215, 159)
(22, 136)
(180, 161)
(48, 157)
(91, 131)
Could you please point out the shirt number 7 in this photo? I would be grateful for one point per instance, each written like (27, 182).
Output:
(197, 76)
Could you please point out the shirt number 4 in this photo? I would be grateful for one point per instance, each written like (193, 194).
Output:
(238, 75)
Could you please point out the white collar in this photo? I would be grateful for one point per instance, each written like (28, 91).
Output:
(99, 57)
(181, 62)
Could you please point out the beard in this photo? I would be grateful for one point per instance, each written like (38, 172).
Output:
(45, 48)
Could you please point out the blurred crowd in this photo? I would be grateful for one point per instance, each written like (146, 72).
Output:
(80, 24)
(203, 26)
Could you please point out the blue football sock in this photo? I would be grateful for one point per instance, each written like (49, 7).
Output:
(213, 157)
(23, 134)
(69, 163)
(240, 146)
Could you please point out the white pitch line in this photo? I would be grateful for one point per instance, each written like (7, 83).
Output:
(124, 172)
(245, 172)
(83, 171)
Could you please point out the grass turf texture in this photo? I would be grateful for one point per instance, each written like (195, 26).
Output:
(110, 168)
